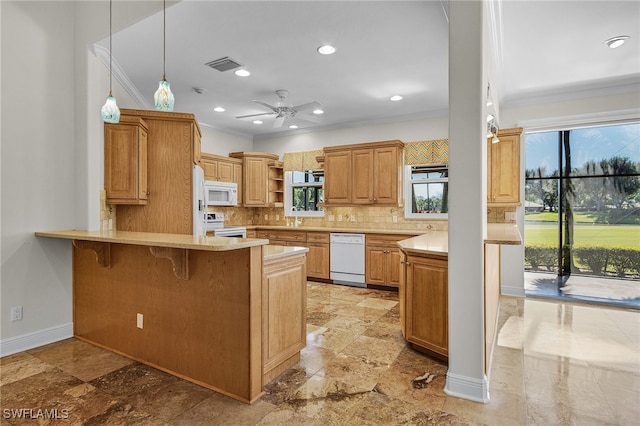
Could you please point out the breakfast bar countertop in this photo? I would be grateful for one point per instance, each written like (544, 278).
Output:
(183, 241)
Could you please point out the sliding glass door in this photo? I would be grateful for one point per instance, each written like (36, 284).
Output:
(582, 209)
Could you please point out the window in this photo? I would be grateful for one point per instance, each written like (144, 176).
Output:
(303, 190)
(426, 192)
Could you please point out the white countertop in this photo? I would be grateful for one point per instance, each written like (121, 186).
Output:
(185, 241)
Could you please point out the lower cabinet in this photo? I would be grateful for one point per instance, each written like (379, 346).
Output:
(318, 255)
(383, 259)
(424, 303)
(284, 317)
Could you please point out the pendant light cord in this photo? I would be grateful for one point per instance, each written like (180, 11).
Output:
(110, 55)
(164, 39)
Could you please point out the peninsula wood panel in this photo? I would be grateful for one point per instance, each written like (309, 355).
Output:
(426, 309)
(206, 329)
(284, 323)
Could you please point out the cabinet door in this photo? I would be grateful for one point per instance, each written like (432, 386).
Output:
(318, 260)
(284, 299)
(125, 174)
(337, 177)
(386, 175)
(210, 168)
(393, 266)
(255, 188)
(237, 178)
(375, 264)
(362, 176)
(426, 304)
(225, 171)
(402, 292)
(504, 170)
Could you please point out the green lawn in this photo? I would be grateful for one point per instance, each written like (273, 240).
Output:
(553, 217)
(619, 236)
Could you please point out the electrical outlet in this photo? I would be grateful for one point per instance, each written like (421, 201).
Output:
(16, 313)
(266, 217)
(353, 218)
(140, 321)
(277, 217)
(331, 218)
(395, 218)
(339, 218)
(509, 215)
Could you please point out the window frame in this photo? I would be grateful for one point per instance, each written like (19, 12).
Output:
(288, 196)
(408, 185)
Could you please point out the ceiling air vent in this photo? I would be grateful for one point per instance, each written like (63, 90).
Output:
(223, 64)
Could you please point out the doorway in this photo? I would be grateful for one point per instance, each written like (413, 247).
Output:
(582, 214)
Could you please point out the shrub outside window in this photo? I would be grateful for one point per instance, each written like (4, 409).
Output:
(426, 192)
(303, 190)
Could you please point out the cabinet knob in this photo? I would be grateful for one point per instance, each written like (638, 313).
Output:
(408, 263)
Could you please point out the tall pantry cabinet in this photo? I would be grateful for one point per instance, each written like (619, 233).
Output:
(173, 148)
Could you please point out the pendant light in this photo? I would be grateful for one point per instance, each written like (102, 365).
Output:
(163, 97)
(110, 111)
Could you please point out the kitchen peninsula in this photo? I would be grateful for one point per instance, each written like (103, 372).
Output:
(226, 313)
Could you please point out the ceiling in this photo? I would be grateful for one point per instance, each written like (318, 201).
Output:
(544, 50)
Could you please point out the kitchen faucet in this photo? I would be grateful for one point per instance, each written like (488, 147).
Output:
(297, 221)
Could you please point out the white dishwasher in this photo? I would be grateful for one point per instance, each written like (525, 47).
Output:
(346, 259)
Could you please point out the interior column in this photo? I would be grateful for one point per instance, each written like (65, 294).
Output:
(466, 377)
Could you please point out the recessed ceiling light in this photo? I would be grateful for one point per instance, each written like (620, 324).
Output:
(318, 111)
(395, 98)
(616, 41)
(257, 121)
(242, 73)
(293, 126)
(219, 109)
(326, 49)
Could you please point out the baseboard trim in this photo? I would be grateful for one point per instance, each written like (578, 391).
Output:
(512, 291)
(467, 387)
(13, 345)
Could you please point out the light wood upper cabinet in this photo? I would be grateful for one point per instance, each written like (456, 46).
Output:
(220, 168)
(364, 174)
(337, 189)
(503, 168)
(172, 150)
(125, 156)
(255, 182)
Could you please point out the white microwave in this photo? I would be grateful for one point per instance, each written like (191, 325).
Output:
(221, 193)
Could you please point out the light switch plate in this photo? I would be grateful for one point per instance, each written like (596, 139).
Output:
(140, 321)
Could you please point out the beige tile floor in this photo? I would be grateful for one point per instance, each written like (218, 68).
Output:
(554, 364)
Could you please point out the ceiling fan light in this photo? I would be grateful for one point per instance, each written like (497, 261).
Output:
(242, 73)
(257, 121)
(617, 41)
(318, 111)
(293, 126)
(219, 109)
(395, 98)
(326, 49)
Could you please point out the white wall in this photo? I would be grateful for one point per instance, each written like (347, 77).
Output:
(218, 142)
(52, 154)
(406, 131)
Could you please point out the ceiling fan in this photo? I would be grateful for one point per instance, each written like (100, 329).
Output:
(283, 110)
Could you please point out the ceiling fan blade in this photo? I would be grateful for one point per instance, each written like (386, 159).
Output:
(271, 107)
(255, 115)
(279, 121)
(310, 117)
(308, 105)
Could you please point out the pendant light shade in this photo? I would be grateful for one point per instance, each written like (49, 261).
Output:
(163, 98)
(110, 111)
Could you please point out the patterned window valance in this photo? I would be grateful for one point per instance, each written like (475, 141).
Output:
(426, 152)
(301, 161)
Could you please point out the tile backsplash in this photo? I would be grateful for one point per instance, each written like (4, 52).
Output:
(355, 217)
